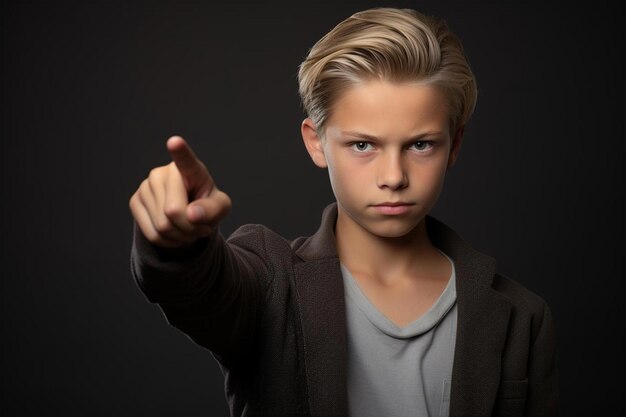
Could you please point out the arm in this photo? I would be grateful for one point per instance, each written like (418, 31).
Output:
(542, 374)
(209, 290)
(207, 287)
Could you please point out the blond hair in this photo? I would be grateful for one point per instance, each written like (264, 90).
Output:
(396, 45)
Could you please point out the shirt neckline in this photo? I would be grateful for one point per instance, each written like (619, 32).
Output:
(420, 325)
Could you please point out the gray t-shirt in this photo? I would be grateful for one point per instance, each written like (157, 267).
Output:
(399, 371)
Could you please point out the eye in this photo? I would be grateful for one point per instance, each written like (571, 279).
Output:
(360, 146)
(422, 145)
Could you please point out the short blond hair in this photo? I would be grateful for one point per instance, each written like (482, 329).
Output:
(396, 45)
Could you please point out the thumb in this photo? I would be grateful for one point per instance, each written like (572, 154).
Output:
(209, 210)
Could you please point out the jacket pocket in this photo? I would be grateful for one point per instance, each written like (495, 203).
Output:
(511, 398)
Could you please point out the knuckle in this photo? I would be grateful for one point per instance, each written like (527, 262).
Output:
(173, 211)
(144, 188)
(225, 202)
(152, 236)
(155, 174)
(163, 225)
(172, 168)
(132, 201)
(134, 206)
(144, 193)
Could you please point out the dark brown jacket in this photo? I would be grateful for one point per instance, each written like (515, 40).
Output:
(272, 312)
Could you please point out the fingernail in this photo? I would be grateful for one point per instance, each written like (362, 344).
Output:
(197, 212)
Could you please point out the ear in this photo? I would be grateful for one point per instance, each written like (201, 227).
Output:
(313, 143)
(456, 146)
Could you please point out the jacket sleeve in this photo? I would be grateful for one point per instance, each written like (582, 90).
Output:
(543, 400)
(211, 290)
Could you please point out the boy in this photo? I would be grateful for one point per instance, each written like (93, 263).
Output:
(384, 311)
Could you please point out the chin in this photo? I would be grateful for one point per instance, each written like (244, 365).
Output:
(386, 228)
(392, 229)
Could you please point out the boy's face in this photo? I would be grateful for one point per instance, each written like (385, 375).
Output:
(385, 142)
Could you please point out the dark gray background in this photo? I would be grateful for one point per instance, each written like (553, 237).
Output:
(91, 90)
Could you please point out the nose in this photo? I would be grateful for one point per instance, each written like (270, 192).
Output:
(392, 173)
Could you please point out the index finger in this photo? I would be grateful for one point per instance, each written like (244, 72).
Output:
(186, 160)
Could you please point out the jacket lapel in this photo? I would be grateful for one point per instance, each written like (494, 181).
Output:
(319, 287)
(322, 311)
(482, 324)
(483, 317)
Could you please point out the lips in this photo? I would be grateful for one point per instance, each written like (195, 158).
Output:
(393, 204)
(392, 207)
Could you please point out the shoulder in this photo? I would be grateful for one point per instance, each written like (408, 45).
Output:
(320, 244)
(482, 267)
(527, 305)
(519, 295)
(260, 239)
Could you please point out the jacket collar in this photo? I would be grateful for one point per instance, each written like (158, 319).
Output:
(483, 317)
(322, 245)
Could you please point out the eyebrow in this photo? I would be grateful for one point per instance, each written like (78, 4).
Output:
(375, 138)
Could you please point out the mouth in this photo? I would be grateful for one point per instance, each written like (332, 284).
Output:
(393, 204)
(392, 208)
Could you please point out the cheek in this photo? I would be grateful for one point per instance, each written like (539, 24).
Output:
(429, 176)
(345, 171)
(437, 177)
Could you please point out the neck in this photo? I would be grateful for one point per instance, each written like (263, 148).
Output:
(386, 258)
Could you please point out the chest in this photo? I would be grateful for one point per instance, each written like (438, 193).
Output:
(411, 359)
(405, 301)
(404, 297)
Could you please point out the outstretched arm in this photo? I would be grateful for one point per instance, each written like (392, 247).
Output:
(207, 287)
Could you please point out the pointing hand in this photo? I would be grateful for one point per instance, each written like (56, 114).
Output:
(178, 203)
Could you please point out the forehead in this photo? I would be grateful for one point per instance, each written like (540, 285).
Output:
(386, 109)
